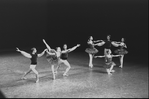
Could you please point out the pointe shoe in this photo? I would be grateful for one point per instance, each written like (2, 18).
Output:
(91, 66)
(37, 80)
(23, 78)
(121, 66)
(112, 71)
(108, 71)
(65, 74)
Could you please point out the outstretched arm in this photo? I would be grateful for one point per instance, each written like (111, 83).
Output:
(99, 56)
(49, 48)
(116, 55)
(39, 55)
(71, 49)
(114, 43)
(24, 53)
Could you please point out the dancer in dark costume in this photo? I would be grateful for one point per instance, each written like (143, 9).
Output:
(107, 43)
(33, 56)
(109, 64)
(121, 51)
(92, 50)
(64, 57)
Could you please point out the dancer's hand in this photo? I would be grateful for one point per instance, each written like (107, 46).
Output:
(43, 40)
(78, 45)
(95, 56)
(17, 49)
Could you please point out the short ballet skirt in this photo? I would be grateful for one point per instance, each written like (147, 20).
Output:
(91, 50)
(108, 65)
(52, 59)
(121, 51)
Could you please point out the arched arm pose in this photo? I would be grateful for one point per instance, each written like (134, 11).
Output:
(33, 57)
(121, 51)
(108, 61)
(91, 50)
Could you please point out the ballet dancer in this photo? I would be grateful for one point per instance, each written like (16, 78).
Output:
(53, 57)
(92, 50)
(64, 58)
(33, 57)
(107, 43)
(109, 64)
(121, 51)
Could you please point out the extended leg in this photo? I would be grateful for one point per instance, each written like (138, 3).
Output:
(37, 76)
(26, 74)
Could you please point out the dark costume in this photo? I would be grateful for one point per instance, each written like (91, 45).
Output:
(34, 59)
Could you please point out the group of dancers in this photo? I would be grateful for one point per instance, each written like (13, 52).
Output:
(56, 57)
(109, 64)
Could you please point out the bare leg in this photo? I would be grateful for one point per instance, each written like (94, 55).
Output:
(121, 61)
(37, 77)
(90, 60)
(26, 74)
(111, 68)
(68, 67)
(52, 68)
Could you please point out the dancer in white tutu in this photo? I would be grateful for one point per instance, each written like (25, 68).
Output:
(121, 51)
(91, 50)
(109, 64)
(33, 56)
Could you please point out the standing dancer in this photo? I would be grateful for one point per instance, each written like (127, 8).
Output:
(92, 50)
(64, 57)
(121, 51)
(52, 57)
(33, 57)
(108, 61)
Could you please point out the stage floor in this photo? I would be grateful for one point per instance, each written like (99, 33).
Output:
(129, 82)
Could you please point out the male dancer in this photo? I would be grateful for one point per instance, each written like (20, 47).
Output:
(33, 57)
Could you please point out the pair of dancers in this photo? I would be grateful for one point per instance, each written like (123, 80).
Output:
(54, 57)
(92, 50)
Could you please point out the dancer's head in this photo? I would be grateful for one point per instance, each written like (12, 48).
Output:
(34, 50)
(58, 49)
(108, 52)
(91, 38)
(122, 40)
(108, 37)
(65, 46)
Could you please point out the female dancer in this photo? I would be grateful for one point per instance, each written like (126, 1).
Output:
(108, 61)
(64, 57)
(52, 57)
(121, 51)
(92, 50)
(33, 56)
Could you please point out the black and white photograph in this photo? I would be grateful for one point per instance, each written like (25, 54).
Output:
(74, 49)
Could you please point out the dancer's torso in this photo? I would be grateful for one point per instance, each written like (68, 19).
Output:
(34, 59)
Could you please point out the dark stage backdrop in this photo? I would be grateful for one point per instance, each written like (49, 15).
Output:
(24, 23)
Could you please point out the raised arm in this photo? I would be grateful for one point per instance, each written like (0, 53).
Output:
(71, 49)
(24, 53)
(41, 54)
(49, 48)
